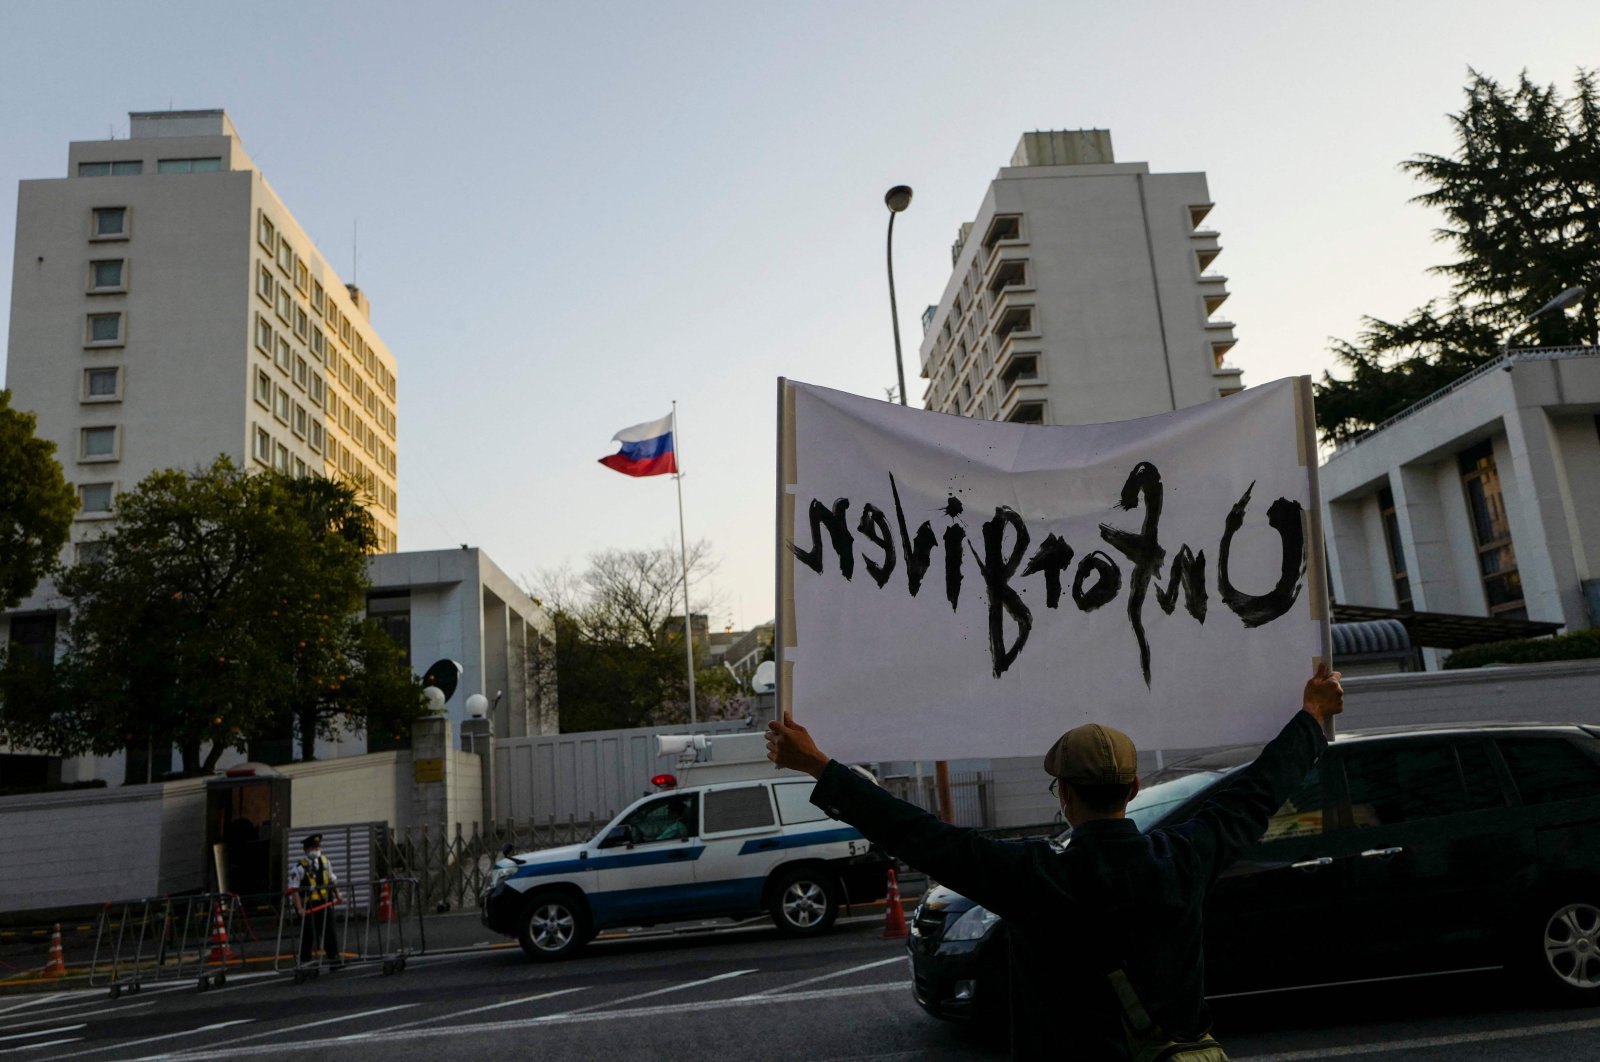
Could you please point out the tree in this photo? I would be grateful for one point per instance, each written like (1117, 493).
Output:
(36, 505)
(223, 608)
(619, 651)
(1521, 203)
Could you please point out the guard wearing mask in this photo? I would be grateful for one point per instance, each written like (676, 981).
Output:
(314, 888)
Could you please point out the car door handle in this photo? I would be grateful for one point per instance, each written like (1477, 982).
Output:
(1313, 864)
(678, 855)
(1381, 853)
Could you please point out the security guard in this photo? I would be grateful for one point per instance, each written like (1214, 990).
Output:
(315, 890)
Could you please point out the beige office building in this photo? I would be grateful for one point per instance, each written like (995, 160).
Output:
(1080, 293)
(166, 307)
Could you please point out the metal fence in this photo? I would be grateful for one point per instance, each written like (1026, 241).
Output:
(971, 794)
(451, 868)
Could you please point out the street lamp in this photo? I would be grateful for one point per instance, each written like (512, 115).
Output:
(1560, 302)
(896, 199)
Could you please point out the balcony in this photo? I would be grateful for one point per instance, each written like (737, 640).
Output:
(1214, 300)
(1198, 212)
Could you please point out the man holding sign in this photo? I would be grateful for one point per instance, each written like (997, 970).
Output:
(1109, 926)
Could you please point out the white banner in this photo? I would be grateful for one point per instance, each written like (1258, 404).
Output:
(953, 588)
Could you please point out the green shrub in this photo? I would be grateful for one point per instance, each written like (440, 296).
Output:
(1579, 645)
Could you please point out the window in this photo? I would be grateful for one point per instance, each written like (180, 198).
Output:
(1397, 553)
(266, 233)
(1010, 274)
(301, 371)
(302, 275)
(280, 457)
(97, 444)
(344, 329)
(263, 335)
(302, 324)
(206, 165)
(102, 385)
(318, 343)
(34, 637)
(92, 552)
(1017, 319)
(109, 223)
(285, 304)
(285, 256)
(263, 447)
(671, 818)
(104, 329)
(264, 285)
(1403, 782)
(263, 391)
(280, 405)
(106, 274)
(314, 437)
(284, 357)
(124, 168)
(299, 425)
(332, 315)
(317, 295)
(1027, 413)
(314, 389)
(94, 497)
(1549, 769)
(299, 467)
(1020, 367)
(1491, 528)
(748, 807)
(1305, 812)
(1003, 227)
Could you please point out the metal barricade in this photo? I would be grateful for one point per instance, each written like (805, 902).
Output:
(162, 938)
(360, 922)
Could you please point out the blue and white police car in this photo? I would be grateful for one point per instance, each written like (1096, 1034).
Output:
(733, 849)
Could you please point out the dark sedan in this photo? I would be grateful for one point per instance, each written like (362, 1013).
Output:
(1404, 853)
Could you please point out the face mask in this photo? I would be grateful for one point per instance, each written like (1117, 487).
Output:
(314, 853)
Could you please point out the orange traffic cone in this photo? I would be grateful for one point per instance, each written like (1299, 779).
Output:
(894, 924)
(57, 966)
(385, 902)
(221, 951)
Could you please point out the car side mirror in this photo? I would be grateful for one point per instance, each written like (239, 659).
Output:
(619, 837)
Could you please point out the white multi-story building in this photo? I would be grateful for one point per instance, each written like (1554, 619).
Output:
(166, 307)
(1080, 293)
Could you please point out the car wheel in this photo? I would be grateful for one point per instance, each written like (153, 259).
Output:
(554, 925)
(804, 902)
(1569, 950)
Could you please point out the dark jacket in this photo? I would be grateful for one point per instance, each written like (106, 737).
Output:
(1112, 890)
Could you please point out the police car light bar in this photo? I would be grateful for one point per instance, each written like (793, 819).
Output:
(665, 781)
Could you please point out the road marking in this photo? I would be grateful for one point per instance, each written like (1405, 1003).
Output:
(46, 1032)
(296, 1028)
(47, 1043)
(667, 1010)
(477, 1010)
(1526, 1032)
(646, 995)
(124, 1045)
(38, 1002)
(828, 976)
(68, 1014)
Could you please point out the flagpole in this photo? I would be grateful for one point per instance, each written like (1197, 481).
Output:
(683, 553)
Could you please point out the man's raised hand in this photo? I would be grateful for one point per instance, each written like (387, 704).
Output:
(789, 745)
(1324, 697)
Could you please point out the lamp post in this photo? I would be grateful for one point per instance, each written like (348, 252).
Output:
(1560, 302)
(896, 199)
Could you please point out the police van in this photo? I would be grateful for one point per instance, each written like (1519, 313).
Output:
(738, 839)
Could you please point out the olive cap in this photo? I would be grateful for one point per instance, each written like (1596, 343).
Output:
(1093, 754)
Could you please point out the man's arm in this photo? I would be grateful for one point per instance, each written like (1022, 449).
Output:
(997, 874)
(1237, 816)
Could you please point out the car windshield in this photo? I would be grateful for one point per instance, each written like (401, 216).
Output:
(1152, 804)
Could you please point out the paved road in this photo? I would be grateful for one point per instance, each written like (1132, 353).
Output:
(747, 995)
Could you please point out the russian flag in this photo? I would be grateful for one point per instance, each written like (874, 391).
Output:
(647, 449)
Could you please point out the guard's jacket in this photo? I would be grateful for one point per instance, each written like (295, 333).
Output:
(314, 878)
(1111, 895)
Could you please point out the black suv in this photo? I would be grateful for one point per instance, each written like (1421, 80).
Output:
(1406, 852)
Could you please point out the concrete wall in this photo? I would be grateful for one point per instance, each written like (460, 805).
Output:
(371, 788)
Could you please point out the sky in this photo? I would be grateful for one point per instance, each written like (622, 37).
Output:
(572, 215)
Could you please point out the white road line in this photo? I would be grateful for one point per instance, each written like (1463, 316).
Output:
(1391, 1046)
(35, 1047)
(123, 1045)
(645, 995)
(46, 1032)
(296, 1028)
(668, 1010)
(478, 1010)
(75, 1012)
(827, 976)
(38, 1001)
